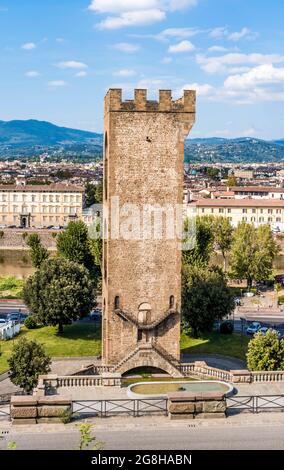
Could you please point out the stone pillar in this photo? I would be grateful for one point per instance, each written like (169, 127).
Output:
(184, 405)
(36, 409)
(111, 379)
(241, 376)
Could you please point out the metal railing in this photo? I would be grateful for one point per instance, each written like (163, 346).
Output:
(255, 403)
(105, 408)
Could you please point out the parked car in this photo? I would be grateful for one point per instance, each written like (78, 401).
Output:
(96, 314)
(3, 321)
(253, 328)
(263, 330)
(248, 294)
(14, 316)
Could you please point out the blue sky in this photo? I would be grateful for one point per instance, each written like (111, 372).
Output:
(58, 58)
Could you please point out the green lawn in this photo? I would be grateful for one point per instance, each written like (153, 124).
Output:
(79, 339)
(84, 339)
(234, 345)
(11, 287)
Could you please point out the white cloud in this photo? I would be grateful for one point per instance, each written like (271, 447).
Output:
(57, 84)
(265, 74)
(222, 64)
(28, 46)
(201, 89)
(244, 33)
(60, 40)
(125, 73)
(82, 73)
(223, 32)
(126, 47)
(183, 46)
(217, 49)
(219, 32)
(71, 64)
(135, 12)
(32, 74)
(132, 18)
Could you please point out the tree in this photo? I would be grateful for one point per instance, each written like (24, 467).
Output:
(60, 292)
(252, 253)
(27, 361)
(212, 173)
(205, 297)
(232, 181)
(203, 241)
(73, 244)
(266, 352)
(93, 194)
(223, 236)
(38, 252)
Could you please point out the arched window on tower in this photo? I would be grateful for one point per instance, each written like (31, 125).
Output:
(172, 302)
(116, 302)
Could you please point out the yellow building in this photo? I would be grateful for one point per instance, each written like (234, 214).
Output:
(256, 211)
(40, 206)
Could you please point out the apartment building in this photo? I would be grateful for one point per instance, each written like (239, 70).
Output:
(40, 206)
(255, 211)
(257, 192)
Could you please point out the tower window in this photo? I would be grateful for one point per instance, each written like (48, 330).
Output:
(172, 301)
(116, 302)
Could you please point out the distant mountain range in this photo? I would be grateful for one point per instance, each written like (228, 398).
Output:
(32, 137)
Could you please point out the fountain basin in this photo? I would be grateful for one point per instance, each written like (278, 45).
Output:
(146, 390)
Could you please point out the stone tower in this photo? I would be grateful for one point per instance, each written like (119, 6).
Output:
(143, 167)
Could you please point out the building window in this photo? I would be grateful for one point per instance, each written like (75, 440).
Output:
(15, 197)
(229, 211)
(78, 198)
(172, 301)
(245, 219)
(139, 335)
(253, 211)
(33, 198)
(116, 302)
(44, 198)
(261, 219)
(202, 210)
(278, 219)
(278, 211)
(15, 208)
(252, 219)
(245, 211)
(4, 218)
(270, 211)
(57, 198)
(221, 211)
(270, 219)
(212, 211)
(261, 211)
(65, 198)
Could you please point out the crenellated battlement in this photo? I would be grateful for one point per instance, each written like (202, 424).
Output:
(186, 104)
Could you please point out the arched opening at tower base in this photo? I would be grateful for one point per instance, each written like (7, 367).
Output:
(143, 371)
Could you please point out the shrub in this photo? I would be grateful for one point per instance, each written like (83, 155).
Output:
(1, 234)
(266, 352)
(30, 323)
(227, 327)
(281, 299)
(66, 416)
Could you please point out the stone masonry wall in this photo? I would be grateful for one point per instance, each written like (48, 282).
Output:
(143, 164)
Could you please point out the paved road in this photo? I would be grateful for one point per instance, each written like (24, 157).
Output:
(186, 437)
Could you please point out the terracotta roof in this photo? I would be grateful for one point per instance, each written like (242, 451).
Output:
(239, 203)
(43, 187)
(259, 189)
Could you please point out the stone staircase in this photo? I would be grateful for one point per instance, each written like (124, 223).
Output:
(149, 326)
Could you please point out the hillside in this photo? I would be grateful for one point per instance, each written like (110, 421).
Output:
(246, 149)
(31, 138)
